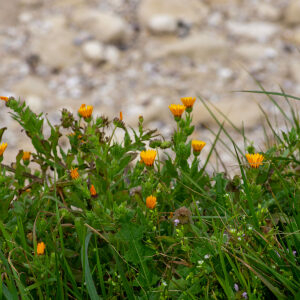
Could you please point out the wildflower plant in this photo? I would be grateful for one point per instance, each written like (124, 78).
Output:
(141, 217)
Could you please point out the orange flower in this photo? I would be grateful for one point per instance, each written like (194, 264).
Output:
(171, 215)
(93, 191)
(121, 116)
(197, 146)
(148, 157)
(188, 101)
(151, 202)
(4, 98)
(26, 155)
(74, 173)
(85, 111)
(254, 160)
(177, 110)
(2, 148)
(40, 248)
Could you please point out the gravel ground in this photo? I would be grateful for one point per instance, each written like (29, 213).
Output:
(139, 56)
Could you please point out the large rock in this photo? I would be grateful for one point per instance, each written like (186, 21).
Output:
(31, 2)
(261, 31)
(293, 36)
(9, 11)
(292, 13)
(267, 11)
(203, 46)
(255, 51)
(31, 86)
(34, 91)
(239, 110)
(222, 2)
(105, 27)
(56, 47)
(188, 12)
(156, 109)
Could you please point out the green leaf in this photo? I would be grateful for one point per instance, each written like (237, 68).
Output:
(87, 272)
(1, 132)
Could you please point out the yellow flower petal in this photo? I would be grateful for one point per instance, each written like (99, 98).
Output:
(93, 190)
(254, 160)
(40, 248)
(177, 109)
(188, 101)
(148, 157)
(26, 155)
(74, 173)
(2, 148)
(198, 145)
(85, 111)
(151, 202)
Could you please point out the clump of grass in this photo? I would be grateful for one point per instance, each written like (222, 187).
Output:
(125, 220)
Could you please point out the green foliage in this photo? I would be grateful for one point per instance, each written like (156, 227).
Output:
(209, 235)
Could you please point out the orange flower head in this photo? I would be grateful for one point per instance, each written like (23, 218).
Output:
(74, 173)
(177, 110)
(151, 202)
(26, 155)
(40, 248)
(121, 116)
(148, 157)
(4, 98)
(197, 146)
(2, 148)
(254, 160)
(85, 111)
(188, 101)
(93, 191)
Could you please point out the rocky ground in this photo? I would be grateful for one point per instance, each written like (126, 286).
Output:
(139, 56)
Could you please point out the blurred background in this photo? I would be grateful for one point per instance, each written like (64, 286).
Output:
(139, 56)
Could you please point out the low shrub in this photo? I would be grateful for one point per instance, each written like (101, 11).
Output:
(141, 218)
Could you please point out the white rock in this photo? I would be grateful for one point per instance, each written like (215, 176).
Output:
(25, 17)
(215, 19)
(292, 13)
(188, 11)
(260, 31)
(105, 27)
(163, 24)
(225, 73)
(94, 51)
(204, 46)
(112, 55)
(270, 53)
(35, 103)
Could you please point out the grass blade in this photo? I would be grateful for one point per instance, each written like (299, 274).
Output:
(87, 271)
